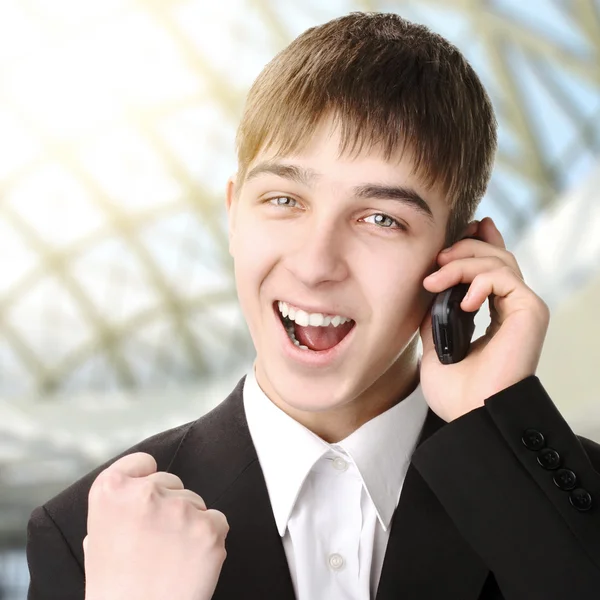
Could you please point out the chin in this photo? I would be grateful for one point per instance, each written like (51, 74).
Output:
(315, 404)
(316, 394)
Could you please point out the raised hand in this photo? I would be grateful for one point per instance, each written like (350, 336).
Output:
(149, 538)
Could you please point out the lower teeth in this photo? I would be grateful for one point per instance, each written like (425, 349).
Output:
(290, 331)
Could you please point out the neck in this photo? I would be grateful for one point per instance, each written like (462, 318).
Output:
(393, 386)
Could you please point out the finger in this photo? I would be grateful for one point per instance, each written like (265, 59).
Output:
(462, 271)
(471, 248)
(138, 464)
(488, 232)
(85, 544)
(503, 284)
(166, 480)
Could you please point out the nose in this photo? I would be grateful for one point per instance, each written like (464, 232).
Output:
(319, 256)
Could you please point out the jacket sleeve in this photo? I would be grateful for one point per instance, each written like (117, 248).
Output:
(56, 530)
(523, 490)
(55, 573)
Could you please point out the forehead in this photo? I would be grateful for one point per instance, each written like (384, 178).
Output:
(329, 151)
(325, 159)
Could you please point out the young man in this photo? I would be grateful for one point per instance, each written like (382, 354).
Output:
(344, 465)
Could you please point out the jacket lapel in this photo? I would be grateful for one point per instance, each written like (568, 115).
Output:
(218, 461)
(426, 556)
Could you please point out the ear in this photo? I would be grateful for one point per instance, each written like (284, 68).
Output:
(470, 230)
(231, 203)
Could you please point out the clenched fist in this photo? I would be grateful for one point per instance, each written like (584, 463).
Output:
(148, 537)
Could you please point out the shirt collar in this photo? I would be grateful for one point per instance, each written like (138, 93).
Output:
(381, 449)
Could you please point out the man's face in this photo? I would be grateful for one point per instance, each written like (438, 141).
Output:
(337, 236)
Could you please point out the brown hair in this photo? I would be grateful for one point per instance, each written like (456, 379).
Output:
(386, 81)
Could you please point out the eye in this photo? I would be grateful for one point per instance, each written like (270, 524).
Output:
(284, 201)
(385, 221)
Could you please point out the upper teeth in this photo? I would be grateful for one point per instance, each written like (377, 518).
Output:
(303, 318)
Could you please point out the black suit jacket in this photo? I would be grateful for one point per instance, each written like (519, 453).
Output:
(478, 517)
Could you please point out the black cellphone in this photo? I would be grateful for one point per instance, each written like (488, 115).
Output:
(452, 327)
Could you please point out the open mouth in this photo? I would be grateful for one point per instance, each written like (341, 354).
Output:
(313, 331)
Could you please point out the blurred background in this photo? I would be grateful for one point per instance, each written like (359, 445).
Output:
(118, 313)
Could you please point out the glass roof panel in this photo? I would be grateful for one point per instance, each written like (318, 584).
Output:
(119, 121)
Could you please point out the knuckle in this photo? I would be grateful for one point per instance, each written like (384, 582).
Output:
(145, 490)
(176, 480)
(221, 520)
(109, 482)
(478, 279)
(193, 500)
(216, 514)
(222, 554)
(211, 529)
(208, 529)
(205, 531)
(179, 506)
(498, 262)
(196, 499)
(542, 309)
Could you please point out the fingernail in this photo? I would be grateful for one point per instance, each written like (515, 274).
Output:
(447, 249)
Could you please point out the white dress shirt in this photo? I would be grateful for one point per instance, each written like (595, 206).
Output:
(333, 503)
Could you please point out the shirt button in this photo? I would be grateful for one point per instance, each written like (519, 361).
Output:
(336, 561)
(340, 464)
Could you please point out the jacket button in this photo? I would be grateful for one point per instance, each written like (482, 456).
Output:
(549, 458)
(565, 479)
(533, 439)
(580, 499)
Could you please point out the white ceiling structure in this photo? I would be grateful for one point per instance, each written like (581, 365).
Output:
(118, 314)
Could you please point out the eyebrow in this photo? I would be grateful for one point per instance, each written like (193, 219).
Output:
(399, 193)
(295, 173)
(308, 177)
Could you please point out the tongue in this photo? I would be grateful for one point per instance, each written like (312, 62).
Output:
(322, 338)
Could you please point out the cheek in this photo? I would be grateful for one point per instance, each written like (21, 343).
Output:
(254, 253)
(255, 237)
(398, 293)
